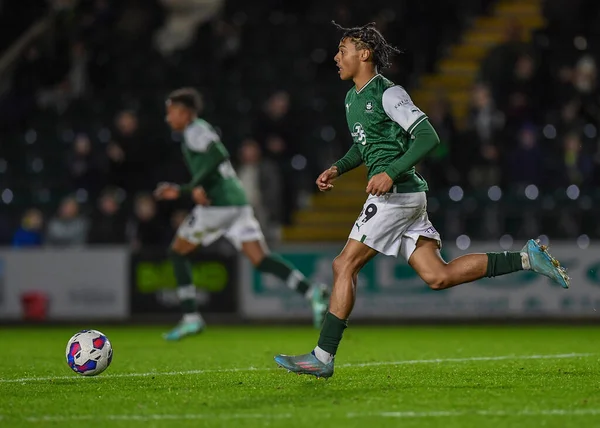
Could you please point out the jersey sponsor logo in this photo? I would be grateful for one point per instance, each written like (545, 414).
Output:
(402, 102)
(358, 134)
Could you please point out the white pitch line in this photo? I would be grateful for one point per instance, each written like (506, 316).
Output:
(156, 417)
(460, 360)
(446, 414)
(398, 415)
(349, 365)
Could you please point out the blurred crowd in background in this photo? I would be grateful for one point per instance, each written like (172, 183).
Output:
(84, 141)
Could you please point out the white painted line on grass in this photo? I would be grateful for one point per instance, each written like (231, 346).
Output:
(349, 365)
(155, 417)
(265, 416)
(461, 360)
(445, 414)
(147, 374)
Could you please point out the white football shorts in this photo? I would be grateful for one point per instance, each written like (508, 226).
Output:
(391, 224)
(204, 225)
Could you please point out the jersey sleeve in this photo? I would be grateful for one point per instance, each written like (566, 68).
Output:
(199, 137)
(400, 108)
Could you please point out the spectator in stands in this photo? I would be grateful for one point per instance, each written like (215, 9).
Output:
(145, 229)
(438, 166)
(525, 163)
(263, 185)
(523, 96)
(585, 83)
(275, 119)
(108, 221)
(569, 118)
(585, 77)
(69, 227)
(497, 67)
(276, 151)
(29, 234)
(127, 155)
(577, 166)
(85, 171)
(485, 122)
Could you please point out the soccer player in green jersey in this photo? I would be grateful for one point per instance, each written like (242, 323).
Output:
(390, 136)
(222, 210)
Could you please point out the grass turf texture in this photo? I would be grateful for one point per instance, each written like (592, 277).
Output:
(400, 385)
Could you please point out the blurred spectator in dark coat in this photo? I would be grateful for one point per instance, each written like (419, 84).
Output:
(145, 228)
(68, 227)
(525, 162)
(108, 220)
(84, 166)
(263, 184)
(128, 156)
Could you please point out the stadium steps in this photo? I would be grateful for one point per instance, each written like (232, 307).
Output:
(457, 72)
(330, 216)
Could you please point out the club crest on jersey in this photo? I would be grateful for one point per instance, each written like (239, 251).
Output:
(358, 134)
(369, 107)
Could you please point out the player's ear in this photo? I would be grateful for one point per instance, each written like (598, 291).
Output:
(365, 55)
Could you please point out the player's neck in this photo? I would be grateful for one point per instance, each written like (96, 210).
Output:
(362, 78)
(191, 122)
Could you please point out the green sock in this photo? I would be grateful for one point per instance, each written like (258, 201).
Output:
(331, 333)
(503, 263)
(186, 291)
(285, 271)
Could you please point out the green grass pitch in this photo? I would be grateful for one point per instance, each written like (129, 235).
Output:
(385, 377)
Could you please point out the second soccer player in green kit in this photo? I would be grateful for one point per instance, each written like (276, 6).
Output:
(222, 210)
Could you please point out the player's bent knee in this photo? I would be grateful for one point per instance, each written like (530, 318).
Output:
(338, 265)
(181, 247)
(437, 281)
(342, 264)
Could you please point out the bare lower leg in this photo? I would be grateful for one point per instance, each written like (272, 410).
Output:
(439, 275)
(467, 268)
(345, 274)
(343, 296)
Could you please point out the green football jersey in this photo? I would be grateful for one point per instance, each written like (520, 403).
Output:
(381, 117)
(222, 186)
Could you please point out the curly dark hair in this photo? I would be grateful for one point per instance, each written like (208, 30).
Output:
(369, 37)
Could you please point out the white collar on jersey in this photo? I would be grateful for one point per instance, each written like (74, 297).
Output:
(366, 84)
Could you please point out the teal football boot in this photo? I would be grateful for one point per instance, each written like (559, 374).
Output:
(305, 364)
(186, 328)
(542, 262)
